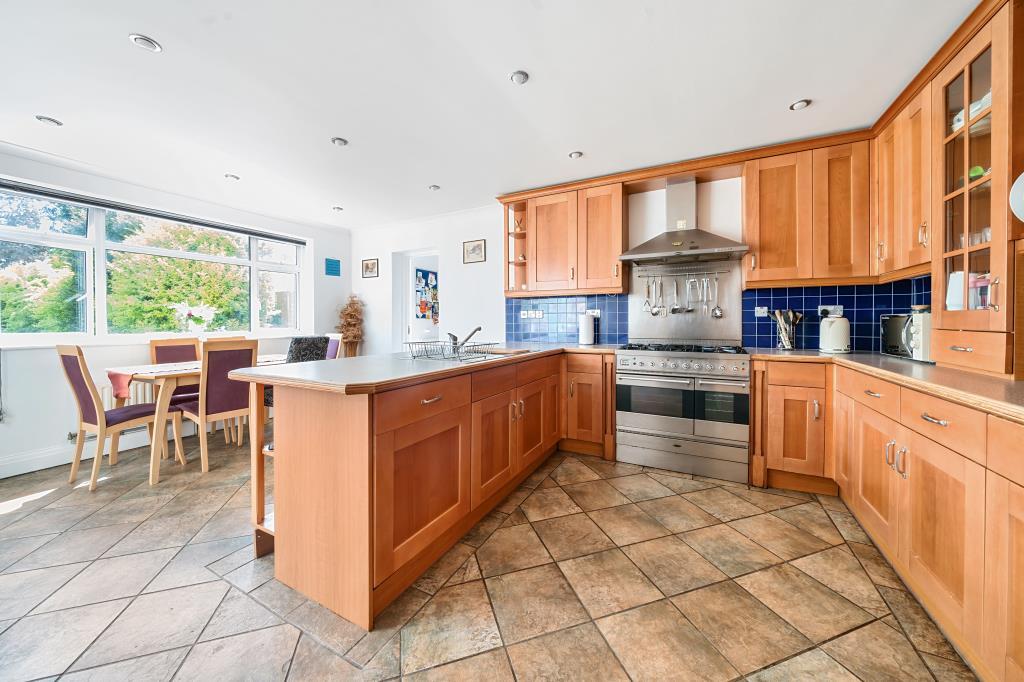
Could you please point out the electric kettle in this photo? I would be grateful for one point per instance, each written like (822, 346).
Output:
(835, 335)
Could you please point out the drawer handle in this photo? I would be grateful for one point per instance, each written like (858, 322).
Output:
(888, 448)
(901, 462)
(962, 349)
(872, 394)
(932, 420)
(817, 410)
(430, 401)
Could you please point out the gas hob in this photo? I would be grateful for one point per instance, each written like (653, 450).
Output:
(683, 359)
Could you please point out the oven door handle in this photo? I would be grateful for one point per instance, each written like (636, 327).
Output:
(731, 384)
(651, 382)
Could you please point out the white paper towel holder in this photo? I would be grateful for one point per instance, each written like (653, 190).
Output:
(586, 325)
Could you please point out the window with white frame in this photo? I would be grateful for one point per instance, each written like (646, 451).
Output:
(70, 268)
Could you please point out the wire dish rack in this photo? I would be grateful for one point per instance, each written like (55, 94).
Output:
(446, 350)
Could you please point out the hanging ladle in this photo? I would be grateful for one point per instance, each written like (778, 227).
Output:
(717, 311)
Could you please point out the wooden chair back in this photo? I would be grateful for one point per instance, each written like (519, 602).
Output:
(87, 397)
(174, 350)
(217, 393)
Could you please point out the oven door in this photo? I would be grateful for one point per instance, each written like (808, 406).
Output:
(663, 404)
(721, 409)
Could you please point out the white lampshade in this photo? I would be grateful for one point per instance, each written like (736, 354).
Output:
(1017, 197)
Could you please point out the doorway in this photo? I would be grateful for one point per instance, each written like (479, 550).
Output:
(417, 299)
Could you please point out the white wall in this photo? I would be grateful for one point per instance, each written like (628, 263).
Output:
(37, 401)
(470, 295)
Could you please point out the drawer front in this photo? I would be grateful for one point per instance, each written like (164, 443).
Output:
(1005, 447)
(877, 394)
(394, 409)
(808, 374)
(531, 370)
(583, 363)
(959, 428)
(490, 382)
(986, 351)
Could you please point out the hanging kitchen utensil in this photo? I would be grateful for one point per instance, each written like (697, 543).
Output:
(647, 297)
(688, 307)
(705, 295)
(656, 301)
(717, 311)
(675, 296)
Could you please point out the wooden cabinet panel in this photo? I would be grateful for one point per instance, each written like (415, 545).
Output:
(876, 493)
(583, 362)
(878, 394)
(1004, 578)
(942, 527)
(883, 243)
(842, 443)
(601, 237)
(585, 407)
(913, 181)
(531, 438)
(493, 446)
(490, 382)
(840, 213)
(1005, 445)
(421, 486)
(394, 409)
(809, 374)
(949, 424)
(551, 242)
(531, 370)
(796, 429)
(552, 410)
(979, 351)
(777, 207)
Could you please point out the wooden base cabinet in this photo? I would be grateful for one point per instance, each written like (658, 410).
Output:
(536, 419)
(876, 491)
(585, 407)
(842, 445)
(1004, 578)
(494, 459)
(795, 440)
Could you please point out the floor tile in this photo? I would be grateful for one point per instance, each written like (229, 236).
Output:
(607, 582)
(548, 503)
(511, 549)
(125, 510)
(31, 648)
(677, 514)
(236, 614)
(567, 537)
(877, 652)
(533, 602)
(188, 567)
(592, 495)
(46, 521)
(672, 565)
(573, 471)
(251, 575)
(164, 529)
(766, 501)
(483, 529)
(15, 549)
(21, 592)
(236, 559)
(456, 623)
(812, 666)
(813, 519)
(919, 628)
(627, 524)
(267, 655)
(469, 570)
(838, 569)
(492, 666)
(831, 502)
(640, 487)
(388, 623)
(516, 518)
(946, 670)
(579, 653)
(314, 662)
(158, 667)
(105, 493)
(813, 609)
(106, 579)
(778, 537)
(722, 504)
(73, 546)
(743, 629)
(155, 622)
(226, 523)
(729, 549)
(326, 627)
(434, 578)
(607, 469)
(655, 642)
(680, 485)
(510, 503)
(278, 597)
(848, 526)
(877, 567)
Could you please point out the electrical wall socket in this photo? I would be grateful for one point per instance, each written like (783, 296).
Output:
(830, 311)
(761, 311)
(595, 312)
(530, 314)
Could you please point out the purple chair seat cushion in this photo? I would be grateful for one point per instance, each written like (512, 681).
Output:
(120, 415)
(189, 407)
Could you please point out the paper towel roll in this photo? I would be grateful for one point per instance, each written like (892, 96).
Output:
(586, 325)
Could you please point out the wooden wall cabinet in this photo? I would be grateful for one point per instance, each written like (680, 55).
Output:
(913, 169)
(600, 237)
(795, 439)
(585, 407)
(840, 212)
(777, 225)
(551, 242)
(883, 242)
(494, 458)
(1004, 578)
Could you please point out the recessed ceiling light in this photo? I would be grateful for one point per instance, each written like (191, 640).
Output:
(800, 104)
(145, 42)
(231, 176)
(337, 208)
(50, 121)
(519, 77)
(434, 188)
(575, 155)
(340, 141)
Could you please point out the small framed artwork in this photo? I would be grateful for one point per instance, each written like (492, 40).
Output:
(474, 251)
(370, 268)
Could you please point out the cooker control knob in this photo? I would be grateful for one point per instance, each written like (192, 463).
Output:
(685, 365)
(709, 366)
(672, 365)
(721, 368)
(661, 364)
(735, 368)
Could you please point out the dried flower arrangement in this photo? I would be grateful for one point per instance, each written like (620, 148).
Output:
(350, 324)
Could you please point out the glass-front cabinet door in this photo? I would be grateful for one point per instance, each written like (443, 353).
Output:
(970, 183)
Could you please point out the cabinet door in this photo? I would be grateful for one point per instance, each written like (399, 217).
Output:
(840, 213)
(421, 483)
(585, 407)
(1004, 578)
(552, 411)
(883, 243)
(970, 174)
(551, 242)
(876, 488)
(530, 433)
(796, 429)
(842, 445)
(942, 532)
(913, 181)
(494, 437)
(777, 207)
(601, 237)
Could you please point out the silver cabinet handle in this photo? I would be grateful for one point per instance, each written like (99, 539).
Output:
(922, 233)
(932, 420)
(512, 407)
(879, 249)
(872, 394)
(888, 448)
(572, 388)
(994, 287)
(753, 261)
(900, 467)
(615, 270)
(429, 401)
(522, 406)
(962, 349)
(817, 410)
(572, 273)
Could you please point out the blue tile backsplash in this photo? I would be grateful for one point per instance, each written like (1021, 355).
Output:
(560, 324)
(862, 304)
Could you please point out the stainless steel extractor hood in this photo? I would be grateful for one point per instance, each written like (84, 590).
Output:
(682, 243)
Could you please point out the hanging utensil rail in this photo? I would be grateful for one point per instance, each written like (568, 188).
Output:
(675, 271)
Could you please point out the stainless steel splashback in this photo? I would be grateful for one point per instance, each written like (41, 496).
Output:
(695, 325)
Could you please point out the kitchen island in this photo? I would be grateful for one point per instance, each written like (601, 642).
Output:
(381, 463)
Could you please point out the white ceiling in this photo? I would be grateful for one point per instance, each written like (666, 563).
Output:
(421, 89)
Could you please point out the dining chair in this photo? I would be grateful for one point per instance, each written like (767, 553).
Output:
(220, 398)
(232, 429)
(300, 349)
(92, 418)
(333, 347)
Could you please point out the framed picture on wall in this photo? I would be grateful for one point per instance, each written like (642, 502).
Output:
(370, 268)
(474, 251)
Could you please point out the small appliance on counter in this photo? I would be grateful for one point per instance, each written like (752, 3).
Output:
(908, 335)
(834, 334)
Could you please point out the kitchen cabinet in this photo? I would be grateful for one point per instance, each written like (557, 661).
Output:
(551, 242)
(883, 256)
(777, 225)
(913, 181)
(795, 439)
(970, 177)
(601, 238)
(537, 429)
(840, 212)
(585, 407)
(876, 492)
(494, 459)
(1004, 578)
(842, 445)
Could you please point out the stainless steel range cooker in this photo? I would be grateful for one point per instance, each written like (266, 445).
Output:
(684, 407)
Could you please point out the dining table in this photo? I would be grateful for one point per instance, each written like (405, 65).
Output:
(165, 378)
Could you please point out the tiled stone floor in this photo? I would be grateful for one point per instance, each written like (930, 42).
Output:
(591, 570)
